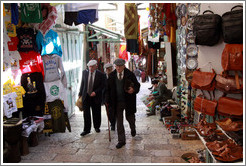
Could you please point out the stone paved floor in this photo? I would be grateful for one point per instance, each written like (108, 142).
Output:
(152, 144)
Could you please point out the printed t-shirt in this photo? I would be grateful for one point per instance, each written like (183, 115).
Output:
(20, 91)
(9, 104)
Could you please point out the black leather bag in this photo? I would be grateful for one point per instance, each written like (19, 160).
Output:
(232, 26)
(207, 28)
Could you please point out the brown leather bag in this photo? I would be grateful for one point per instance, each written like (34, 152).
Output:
(203, 80)
(230, 107)
(205, 106)
(232, 57)
(228, 84)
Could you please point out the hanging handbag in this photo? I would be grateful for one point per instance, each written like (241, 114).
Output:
(207, 28)
(203, 80)
(232, 26)
(230, 106)
(205, 106)
(232, 57)
(228, 84)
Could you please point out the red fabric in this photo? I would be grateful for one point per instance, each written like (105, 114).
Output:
(122, 52)
(31, 62)
(13, 43)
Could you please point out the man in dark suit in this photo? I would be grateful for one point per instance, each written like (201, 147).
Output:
(121, 90)
(92, 84)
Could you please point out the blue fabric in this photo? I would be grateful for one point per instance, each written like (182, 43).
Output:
(50, 44)
(86, 16)
(14, 13)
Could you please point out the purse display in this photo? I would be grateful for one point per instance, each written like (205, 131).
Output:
(207, 28)
(232, 26)
(205, 106)
(203, 80)
(228, 84)
(232, 57)
(230, 106)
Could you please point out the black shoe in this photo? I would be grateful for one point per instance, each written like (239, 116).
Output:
(133, 133)
(97, 130)
(84, 133)
(120, 144)
(113, 128)
(150, 114)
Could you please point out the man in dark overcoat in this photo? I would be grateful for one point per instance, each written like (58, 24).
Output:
(121, 90)
(92, 84)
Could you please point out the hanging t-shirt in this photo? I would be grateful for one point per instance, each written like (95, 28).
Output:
(20, 91)
(49, 44)
(31, 13)
(54, 90)
(9, 104)
(14, 13)
(7, 87)
(11, 29)
(27, 39)
(53, 69)
(15, 55)
(31, 62)
(12, 45)
(56, 109)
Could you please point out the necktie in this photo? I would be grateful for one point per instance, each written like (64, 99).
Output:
(120, 76)
(90, 85)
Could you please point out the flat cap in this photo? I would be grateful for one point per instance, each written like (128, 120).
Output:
(92, 63)
(107, 65)
(119, 62)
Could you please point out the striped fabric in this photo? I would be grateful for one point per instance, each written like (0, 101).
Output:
(131, 21)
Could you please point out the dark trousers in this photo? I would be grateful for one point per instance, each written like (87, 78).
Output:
(111, 116)
(120, 123)
(96, 113)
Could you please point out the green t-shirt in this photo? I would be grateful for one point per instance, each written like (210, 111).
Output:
(31, 13)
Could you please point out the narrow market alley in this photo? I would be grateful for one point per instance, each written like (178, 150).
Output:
(152, 144)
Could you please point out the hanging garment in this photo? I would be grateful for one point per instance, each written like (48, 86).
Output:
(26, 39)
(53, 69)
(49, 44)
(131, 21)
(9, 104)
(7, 87)
(132, 46)
(4, 13)
(10, 28)
(74, 7)
(70, 18)
(15, 55)
(54, 90)
(56, 109)
(31, 13)
(20, 91)
(14, 13)
(34, 99)
(48, 23)
(31, 62)
(122, 52)
(12, 45)
(87, 16)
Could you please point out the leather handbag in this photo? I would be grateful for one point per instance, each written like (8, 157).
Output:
(205, 106)
(203, 80)
(230, 106)
(228, 84)
(79, 103)
(207, 28)
(232, 57)
(232, 26)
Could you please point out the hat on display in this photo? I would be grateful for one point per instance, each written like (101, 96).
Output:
(119, 62)
(91, 63)
(108, 65)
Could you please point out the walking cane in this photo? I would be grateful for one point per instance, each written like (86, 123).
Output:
(109, 137)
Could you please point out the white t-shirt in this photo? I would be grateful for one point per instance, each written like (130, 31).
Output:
(9, 104)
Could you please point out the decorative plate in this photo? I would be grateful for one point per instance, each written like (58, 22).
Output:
(183, 20)
(190, 22)
(191, 63)
(183, 10)
(190, 38)
(191, 50)
(193, 9)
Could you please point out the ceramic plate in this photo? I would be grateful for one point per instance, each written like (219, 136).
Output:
(190, 24)
(191, 63)
(191, 50)
(193, 9)
(183, 10)
(183, 20)
(190, 38)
